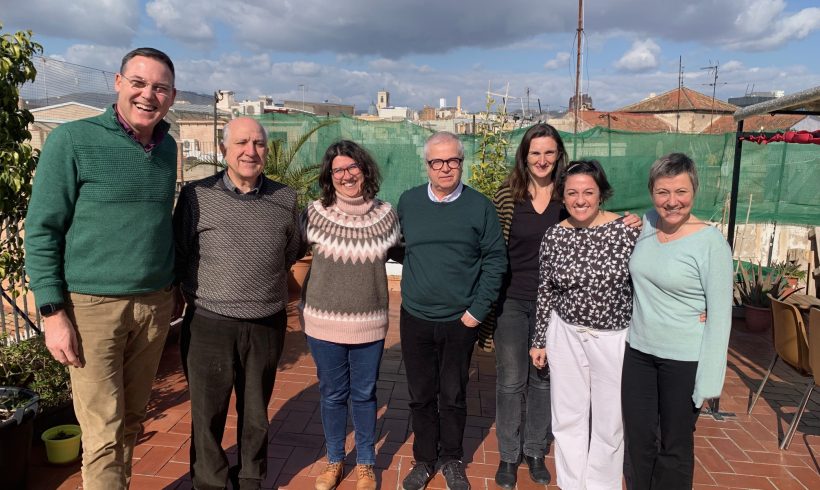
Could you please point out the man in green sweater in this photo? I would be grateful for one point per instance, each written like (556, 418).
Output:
(454, 262)
(99, 251)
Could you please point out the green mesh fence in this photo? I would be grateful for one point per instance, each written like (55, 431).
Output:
(782, 179)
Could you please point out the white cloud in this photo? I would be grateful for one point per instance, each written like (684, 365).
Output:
(110, 22)
(181, 20)
(731, 65)
(641, 57)
(103, 57)
(559, 61)
(766, 27)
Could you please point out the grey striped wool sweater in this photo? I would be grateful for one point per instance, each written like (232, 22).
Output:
(345, 295)
(233, 251)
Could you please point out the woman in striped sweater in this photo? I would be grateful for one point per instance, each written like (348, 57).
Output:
(345, 308)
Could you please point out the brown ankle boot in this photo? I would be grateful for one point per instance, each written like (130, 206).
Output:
(331, 477)
(367, 477)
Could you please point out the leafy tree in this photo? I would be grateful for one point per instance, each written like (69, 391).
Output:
(17, 158)
(490, 169)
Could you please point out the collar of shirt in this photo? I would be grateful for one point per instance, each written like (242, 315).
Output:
(449, 197)
(156, 137)
(233, 188)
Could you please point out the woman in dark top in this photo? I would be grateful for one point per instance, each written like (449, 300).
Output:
(526, 207)
(583, 310)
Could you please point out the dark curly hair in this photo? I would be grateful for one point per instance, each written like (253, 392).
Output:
(370, 170)
(587, 167)
(519, 179)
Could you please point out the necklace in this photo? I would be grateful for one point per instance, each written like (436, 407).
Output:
(665, 237)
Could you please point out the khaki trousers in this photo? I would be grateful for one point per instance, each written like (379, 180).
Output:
(121, 340)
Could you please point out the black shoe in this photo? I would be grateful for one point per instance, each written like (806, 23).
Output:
(538, 470)
(418, 477)
(507, 474)
(455, 476)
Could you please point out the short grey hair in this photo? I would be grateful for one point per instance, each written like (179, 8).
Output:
(443, 137)
(672, 165)
(226, 130)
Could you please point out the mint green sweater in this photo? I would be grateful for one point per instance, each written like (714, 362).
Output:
(673, 284)
(99, 219)
(455, 257)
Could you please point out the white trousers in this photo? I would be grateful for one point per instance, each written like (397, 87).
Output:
(585, 369)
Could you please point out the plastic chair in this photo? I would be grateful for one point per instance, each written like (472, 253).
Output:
(790, 342)
(814, 359)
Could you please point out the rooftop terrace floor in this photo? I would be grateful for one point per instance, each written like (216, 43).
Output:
(739, 452)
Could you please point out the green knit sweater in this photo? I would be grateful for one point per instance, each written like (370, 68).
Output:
(455, 256)
(99, 220)
(674, 283)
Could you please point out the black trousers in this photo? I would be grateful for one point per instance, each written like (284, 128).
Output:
(656, 394)
(437, 362)
(218, 355)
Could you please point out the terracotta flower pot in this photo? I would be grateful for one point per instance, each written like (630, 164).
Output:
(758, 319)
(297, 276)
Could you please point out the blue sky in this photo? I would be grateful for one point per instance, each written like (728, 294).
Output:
(423, 50)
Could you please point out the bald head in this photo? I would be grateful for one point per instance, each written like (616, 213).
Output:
(242, 121)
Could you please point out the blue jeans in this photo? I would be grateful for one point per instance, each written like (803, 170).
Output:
(518, 385)
(348, 372)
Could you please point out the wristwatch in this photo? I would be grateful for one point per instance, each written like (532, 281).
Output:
(51, 308)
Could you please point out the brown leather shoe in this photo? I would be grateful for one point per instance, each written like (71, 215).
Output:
(331, 477)
(367, 477)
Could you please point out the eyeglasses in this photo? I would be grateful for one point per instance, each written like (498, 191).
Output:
(352, 169)
(158, 88)
(438, 163)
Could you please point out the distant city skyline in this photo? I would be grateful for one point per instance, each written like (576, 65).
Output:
(422, 50)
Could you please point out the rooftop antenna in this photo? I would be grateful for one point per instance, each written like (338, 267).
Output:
(714, 70)
(579, 33)
(680, 89)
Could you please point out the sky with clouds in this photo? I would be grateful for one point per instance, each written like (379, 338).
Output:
(423, 50)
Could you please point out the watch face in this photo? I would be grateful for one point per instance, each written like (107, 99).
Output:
(50, 308)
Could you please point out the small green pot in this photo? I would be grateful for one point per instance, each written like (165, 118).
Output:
(62, 443)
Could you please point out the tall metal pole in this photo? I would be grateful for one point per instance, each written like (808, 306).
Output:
(579, 32)
(735, 185)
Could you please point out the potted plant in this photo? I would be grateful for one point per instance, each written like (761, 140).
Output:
(28, 364)
(62, 443)
(751, 290)
(791, 272)
(18, 408)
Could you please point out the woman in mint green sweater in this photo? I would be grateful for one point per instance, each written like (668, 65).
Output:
(674, 361)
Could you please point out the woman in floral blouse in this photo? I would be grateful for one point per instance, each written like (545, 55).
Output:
(583, 310)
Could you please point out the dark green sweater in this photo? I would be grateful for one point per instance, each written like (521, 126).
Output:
(99, 220)
(455, 255)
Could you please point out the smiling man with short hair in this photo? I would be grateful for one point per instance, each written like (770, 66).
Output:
(236, 237)
(99, 251)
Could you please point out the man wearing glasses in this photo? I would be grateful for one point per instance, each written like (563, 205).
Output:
(99, 251)
(454, 262)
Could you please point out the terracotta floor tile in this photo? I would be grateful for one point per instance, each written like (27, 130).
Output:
(807, 476)
(153, 461)
(175, 470)
(729, 480)
(142, 482)
(727, 449)
(712, 461)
